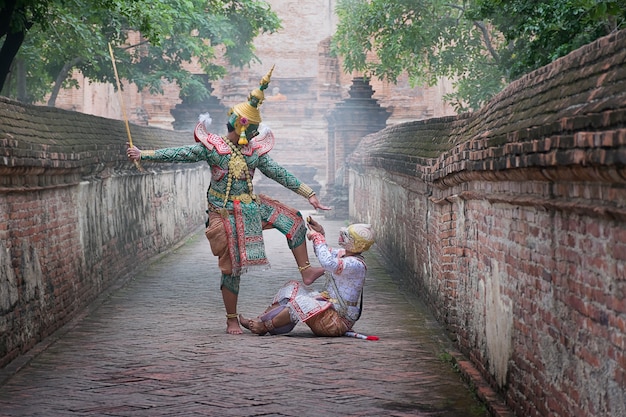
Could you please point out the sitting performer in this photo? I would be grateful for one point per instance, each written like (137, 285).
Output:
(333, 311)
(238, 216)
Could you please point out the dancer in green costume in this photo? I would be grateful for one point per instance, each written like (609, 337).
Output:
(238, 216)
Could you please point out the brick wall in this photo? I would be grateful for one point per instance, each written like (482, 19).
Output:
(76, 216)
(511, 223)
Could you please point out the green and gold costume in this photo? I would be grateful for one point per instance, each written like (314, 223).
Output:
(232, 201)
(237, 216)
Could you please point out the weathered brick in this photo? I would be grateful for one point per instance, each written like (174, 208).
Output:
(540, 216)
(50, 255)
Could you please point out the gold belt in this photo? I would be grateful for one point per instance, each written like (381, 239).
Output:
(336, 301)
(244, 198)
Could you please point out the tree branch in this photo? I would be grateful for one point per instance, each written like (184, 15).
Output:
(125, 48)
(487, 40)
(61, 76)
(12, 43)
(6, 14)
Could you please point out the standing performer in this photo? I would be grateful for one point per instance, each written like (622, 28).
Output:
(237, 216)
(333, 311)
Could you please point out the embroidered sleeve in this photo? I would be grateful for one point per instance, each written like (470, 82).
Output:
(273, 170)
(191, 153)
(332, 260)
(329, 261)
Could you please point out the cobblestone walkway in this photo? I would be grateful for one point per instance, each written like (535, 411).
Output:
(157, 346)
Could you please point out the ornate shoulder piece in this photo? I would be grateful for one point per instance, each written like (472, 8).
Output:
(264, 141)
(210, 140)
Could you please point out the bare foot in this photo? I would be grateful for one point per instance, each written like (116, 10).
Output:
(232, 326)
(244, 322)
(254, 326)
(309, 275)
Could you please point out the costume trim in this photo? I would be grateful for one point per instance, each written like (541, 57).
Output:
(245, 197)
(241, 233)
(304, 306)
(262, 144)
(239, 244)
(296, 234)
(305, 191)
(210, 140)
(317, 238)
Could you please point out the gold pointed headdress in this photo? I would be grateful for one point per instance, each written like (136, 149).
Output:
(245, 117)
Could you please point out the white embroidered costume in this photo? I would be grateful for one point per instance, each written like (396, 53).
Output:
(342, 290)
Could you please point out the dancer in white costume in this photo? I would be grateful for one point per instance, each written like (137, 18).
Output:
(334, 310)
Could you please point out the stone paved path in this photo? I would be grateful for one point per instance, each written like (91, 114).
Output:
(157, 346)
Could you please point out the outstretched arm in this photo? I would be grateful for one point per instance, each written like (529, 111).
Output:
(192, 153)
(273, 170)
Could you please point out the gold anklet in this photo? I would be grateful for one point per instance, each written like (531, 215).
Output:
(232, 316)
(302, 268)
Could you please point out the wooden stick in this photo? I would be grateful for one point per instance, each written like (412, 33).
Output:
(121, 99)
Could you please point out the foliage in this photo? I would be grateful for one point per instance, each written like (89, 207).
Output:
(537, 33)
(173, 33)
(479, 44)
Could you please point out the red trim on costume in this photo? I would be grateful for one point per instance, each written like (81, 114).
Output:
(303, 316)
(274, 215)
(278, 209)
(294, 228)
(262, 144)
(231, 242)
(211, 141)
(241, 233)
(317, 238)
(340, 266)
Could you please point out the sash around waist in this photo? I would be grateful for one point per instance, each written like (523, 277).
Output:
(244, 198)
(335, 301)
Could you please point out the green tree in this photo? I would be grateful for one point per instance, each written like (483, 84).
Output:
(16, 19)
(173, 32)
(19, 18)
(481, 45)
(536, 33)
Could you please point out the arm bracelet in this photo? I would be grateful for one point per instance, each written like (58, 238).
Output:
(305, 191)
(146, 154)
